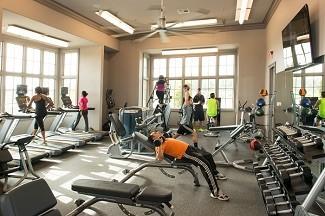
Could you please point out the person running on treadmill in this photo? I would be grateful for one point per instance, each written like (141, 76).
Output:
(42, 103)
(320, 105)
(160, 89)
(185, 125)
(188, 154)
(83, 110)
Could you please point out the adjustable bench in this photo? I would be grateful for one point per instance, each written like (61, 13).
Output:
(36, 198)
(143, 140)
(150, 197)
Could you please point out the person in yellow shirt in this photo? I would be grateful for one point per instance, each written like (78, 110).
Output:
(320, 105)
(212, 108)
(189, 154)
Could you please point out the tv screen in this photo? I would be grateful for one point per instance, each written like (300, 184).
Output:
(297, 41)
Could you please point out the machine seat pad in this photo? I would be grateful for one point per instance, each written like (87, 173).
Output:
(105, 188)
(154, 194)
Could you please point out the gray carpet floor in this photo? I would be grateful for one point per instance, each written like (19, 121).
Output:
(92, 162)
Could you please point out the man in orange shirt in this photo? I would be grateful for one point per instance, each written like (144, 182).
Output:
(189, 154)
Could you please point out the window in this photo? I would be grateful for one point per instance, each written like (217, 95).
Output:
(70, 64)
(33, 61)
(159, 67)
(175, 67)
(14, 58)
(309, 78)
(49, 63)
(50, 83)
(288, 59)
(32, 83)
(209, 64)
(11, 83)
(226, 65)
(72, 86)
(70, 72)
(191, 66)
(226, 93)
(31, 66)
(211, 73)
(194, 85)
(296, 87)
(145, 84)
(176, 89)
(313, 86)
(208, 87)
(303, 53)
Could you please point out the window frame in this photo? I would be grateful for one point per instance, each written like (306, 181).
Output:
(24, 75)
(200, 77)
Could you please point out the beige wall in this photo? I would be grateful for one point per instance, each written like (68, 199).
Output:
(91, 80)
(38, 12)
(125, 66)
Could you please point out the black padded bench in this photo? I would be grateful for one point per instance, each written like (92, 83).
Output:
(150, 197)
(36, 198)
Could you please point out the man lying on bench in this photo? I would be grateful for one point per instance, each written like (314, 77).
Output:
(186, 153)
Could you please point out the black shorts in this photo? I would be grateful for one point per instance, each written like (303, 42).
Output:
(198, 115)
(185, 130)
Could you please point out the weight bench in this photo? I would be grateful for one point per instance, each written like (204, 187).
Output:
(143, 140)
(36, 198)
(151, 197)
(234, 135)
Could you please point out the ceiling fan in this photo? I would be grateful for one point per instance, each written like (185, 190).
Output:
(162, 28)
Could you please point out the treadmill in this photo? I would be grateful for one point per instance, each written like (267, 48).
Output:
(69, 108)
(35, 154)
(56, 144)
(66, 131)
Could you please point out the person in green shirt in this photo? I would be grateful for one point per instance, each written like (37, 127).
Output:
(320, 105)
(212, 108)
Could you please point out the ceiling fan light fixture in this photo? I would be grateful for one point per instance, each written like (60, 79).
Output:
(115, 21)
(189, 51)
(33, 35)
(191, 23)
(243, 10)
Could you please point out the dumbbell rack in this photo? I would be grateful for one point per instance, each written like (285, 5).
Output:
(281, 179)
(283, 176)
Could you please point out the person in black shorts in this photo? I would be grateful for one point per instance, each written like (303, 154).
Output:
(42, 103)
(185, 125)
(198, 102)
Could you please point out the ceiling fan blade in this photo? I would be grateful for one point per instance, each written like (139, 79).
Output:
(202, 31)
(146, 36)
(163, 37)
(176, 33)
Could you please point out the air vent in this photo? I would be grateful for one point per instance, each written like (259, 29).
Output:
(183, 11)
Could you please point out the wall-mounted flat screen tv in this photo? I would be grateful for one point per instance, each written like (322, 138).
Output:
(297, 41)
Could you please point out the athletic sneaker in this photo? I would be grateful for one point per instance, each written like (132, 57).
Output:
(221, 196)
(220, 176)
(200, 129)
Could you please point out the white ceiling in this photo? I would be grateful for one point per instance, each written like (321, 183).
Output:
(10, 18)
(142, 13)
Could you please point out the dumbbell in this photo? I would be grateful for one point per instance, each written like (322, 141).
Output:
(317, 143)
(270, 186)
(289, 164)
(303, 173)
(277, 210)
(266, 180)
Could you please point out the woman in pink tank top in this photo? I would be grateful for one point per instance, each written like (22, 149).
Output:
(83, 110)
